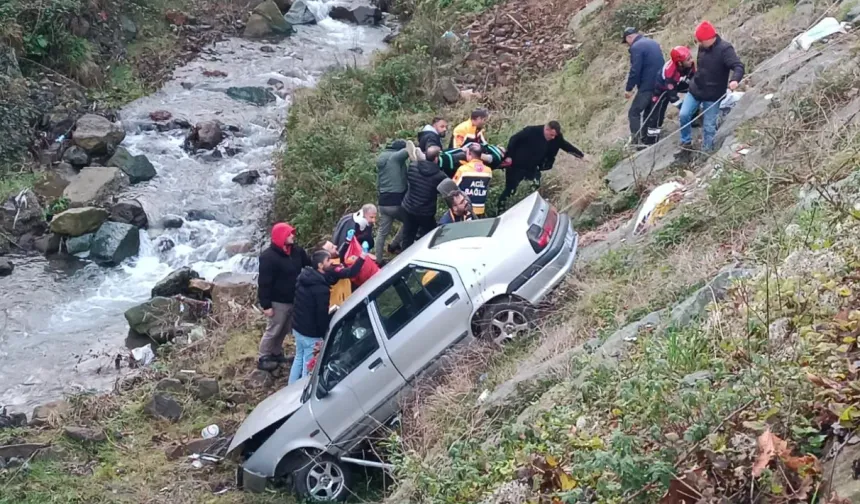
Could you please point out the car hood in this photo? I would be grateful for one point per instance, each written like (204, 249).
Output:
(277, 406)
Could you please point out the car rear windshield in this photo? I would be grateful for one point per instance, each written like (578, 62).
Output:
(481, 228)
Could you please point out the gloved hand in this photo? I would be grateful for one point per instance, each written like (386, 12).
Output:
(350, 234)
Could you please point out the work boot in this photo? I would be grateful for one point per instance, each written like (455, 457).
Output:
(685, 154)
(268, 363)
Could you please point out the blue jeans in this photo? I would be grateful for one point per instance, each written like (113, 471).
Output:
(304, 354)
(689, 110)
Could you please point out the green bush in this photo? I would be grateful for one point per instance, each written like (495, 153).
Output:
(643, 15)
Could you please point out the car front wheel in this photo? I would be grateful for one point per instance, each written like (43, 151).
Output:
(323, 478)
(507, 320)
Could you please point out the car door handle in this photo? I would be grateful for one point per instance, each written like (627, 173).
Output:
(375, 364)
(451, 300)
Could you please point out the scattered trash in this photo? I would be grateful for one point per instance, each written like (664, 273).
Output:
(732, 98)
(143, 355)
(825, 28)
(197, 464)
(210, 431)
(221, 492)
(483, 377)
(659, 202)
(484, 395)
(744, 152)
(449, 35)
(768, 96)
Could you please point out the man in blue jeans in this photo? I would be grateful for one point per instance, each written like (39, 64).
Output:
(311, 314)
(717, 63)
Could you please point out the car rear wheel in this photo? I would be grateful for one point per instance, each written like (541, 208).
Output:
(323, 478)
(507, 320)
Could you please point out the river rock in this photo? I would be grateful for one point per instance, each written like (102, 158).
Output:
(54, 182)
(238, 288)
(78, 221)
(299, 14)
(48, 243)
(247, 177)
(594, 213)
(259, 379)
(129, 212)
(97, 135)
(200, 288)
(84, 434)
(160, 115)
(170, 385)
(95, 185)
(12, 420)
(172, 222)
(160, 317)
(175, 283)
(20, 451)
(206, 388)
(79, 244)
(6, 267)
(164, 243)
(205, 135)
(21, 213)
(50, 413)
(76, 156)
(163, 407)
(138, 168)
(361, 15)
(267, 19)
(114, 242)
(238, 247)
(255, 95)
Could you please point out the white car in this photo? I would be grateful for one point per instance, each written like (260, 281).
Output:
(483, 277)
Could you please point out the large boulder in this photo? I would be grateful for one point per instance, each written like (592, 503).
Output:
(205, 135)
(79, 244)
(138, 168)
(247, 177)
(163, 407)
(54, 182)
(114, 242)
(50, 413)
(95, 185)
(266, 19)
(78, 221)
(251, 94)
(48, 243)
(97, 135)
(161, 318)
(129, 212)
(361, 15)
(177, 282)
(21, 213)
(84, 434)
(6, 267)
(299, 14)
(237, 288)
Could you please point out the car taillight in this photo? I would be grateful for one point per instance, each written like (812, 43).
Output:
(540, 235)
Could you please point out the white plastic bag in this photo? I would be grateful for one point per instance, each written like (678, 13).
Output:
(143, 355)
(825, 28)
(657, 196)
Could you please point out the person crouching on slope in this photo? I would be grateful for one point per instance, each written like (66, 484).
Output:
(674, 78)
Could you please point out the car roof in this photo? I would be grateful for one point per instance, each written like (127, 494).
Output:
(513, 224)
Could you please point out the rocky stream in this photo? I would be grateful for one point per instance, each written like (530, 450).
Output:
(210, 136)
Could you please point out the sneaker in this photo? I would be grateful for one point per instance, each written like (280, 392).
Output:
(420, 155)
(267, 363)
(410, 150)
(685, 153)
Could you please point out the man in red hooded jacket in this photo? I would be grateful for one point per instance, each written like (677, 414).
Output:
(280, 265)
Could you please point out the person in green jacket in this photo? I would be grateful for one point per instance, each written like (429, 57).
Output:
(391, 186)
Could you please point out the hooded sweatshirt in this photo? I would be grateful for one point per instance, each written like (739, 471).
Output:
(423, 177)
(391, 174)
(310, 310)
(429, 137)
(280, 265)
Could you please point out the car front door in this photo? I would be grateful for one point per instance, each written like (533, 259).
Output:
(354, 377)
(422, 311)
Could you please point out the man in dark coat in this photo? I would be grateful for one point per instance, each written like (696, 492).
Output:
(716, 65)
(311, 315)
(360, 222)
(646, 60)
(533, 150)
(280, 265)
(432, 134)
(420, 201)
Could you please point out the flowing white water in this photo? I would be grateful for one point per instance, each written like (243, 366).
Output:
(61, 320)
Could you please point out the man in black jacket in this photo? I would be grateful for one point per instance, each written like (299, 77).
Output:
(280, 265)
(311, 315)
(432, 134)
(646, 60)
(533, 150)
(422, 178)
(717, 64)
(360, 222)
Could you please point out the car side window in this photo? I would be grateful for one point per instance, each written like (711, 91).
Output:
(350, 343)
(408, 294)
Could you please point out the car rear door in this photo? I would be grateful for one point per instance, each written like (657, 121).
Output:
(357, 377)
(422, 311)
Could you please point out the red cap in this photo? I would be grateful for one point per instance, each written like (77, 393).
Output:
(705, 31)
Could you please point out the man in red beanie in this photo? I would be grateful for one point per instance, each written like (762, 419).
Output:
(716, 65)
(280, 265)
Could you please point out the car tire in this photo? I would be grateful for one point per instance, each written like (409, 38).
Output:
(507, 320)
(322, 478)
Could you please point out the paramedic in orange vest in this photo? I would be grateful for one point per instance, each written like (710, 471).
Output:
(471, 130)
(473, 178)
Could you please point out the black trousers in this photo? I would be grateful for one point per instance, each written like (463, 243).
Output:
(639, 107)
(655, 115)
(513, 177)
(416, 226)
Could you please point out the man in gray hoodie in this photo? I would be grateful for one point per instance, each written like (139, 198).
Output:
(391, 186)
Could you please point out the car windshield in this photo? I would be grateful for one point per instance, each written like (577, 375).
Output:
(480, 228)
